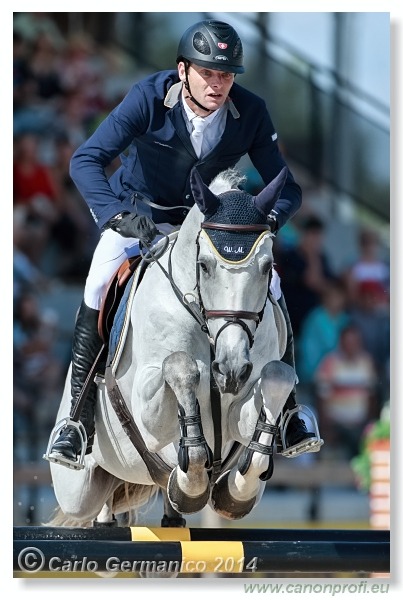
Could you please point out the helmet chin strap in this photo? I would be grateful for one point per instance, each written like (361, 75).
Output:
(192, 98)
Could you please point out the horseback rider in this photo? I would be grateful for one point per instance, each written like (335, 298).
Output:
(169, 123)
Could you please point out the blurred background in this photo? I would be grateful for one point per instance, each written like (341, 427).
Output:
(325, 79)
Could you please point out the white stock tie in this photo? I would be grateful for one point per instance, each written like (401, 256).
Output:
(196, 136)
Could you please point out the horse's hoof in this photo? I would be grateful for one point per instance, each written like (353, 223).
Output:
(227, 506)
(182, 503)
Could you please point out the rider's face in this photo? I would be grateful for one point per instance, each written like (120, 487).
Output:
(208, 86)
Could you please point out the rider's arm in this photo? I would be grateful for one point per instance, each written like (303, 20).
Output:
(87, 168)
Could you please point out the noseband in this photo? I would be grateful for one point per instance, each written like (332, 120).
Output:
(232, 317)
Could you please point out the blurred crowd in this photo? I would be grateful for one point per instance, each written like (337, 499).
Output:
(62, 90)
(59, 93)
(341, 323)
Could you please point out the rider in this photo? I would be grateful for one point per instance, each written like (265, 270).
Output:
(158, 123)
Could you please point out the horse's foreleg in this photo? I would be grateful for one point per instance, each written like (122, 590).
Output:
(188, 486)
(171, 517)
(237, 491)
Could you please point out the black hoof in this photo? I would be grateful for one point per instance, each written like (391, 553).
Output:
(225, 505)
(173, 521)
(182, 503)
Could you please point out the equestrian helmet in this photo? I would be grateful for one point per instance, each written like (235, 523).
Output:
(214, 45)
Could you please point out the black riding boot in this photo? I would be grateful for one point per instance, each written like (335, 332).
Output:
(296, 431)
(86, 346)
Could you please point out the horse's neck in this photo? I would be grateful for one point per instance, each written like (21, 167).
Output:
(184, 253)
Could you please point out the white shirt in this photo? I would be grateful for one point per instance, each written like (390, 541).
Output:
(212, 132)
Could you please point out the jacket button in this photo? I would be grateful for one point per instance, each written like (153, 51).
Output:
(187, 196)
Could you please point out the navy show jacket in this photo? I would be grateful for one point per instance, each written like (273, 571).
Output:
(157, 155)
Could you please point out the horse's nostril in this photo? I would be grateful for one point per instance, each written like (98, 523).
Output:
(245, 372)
(216, 367)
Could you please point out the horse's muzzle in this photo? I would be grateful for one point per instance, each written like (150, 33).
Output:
(231, 381)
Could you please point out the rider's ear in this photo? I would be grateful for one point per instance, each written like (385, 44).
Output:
(182, 71)
(207, 202)
(267, 198)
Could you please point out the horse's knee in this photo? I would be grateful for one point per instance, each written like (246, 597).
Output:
(277, 380)
(181, 371)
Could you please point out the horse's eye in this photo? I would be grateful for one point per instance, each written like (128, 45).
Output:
(267, 267)
(203, 266)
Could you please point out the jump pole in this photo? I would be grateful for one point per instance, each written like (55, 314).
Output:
(191, 551)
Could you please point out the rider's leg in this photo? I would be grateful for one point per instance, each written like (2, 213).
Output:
(86, 340)
(296, 431)
(86, 345)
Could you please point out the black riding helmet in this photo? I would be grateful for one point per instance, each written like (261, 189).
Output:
(214, 45)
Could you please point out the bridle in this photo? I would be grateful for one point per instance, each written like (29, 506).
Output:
(232, 317)
(202, 316)
(195, 305)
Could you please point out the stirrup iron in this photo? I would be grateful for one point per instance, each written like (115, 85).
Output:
(58, 458)
(312, 444)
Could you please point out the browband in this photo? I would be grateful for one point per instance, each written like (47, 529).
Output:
(233, 227)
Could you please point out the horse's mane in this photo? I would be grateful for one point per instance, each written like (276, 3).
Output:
(226, 180)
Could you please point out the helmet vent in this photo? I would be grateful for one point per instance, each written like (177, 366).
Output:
(201, 44)
(237, 52)
(219, 25)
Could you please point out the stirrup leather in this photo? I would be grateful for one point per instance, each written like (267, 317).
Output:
(58, 458)
(312, 444)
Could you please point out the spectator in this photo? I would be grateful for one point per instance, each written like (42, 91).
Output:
(371, 316)
(81, 74)
(32, 110)
(345, 381)
(34, 190)
(30, 25)
(33, 184)
(45, 67)
(368, 268)
(37, 373)
(304, 272)
(75, 232)
(321, 330)
(33, 339)
(21, 70)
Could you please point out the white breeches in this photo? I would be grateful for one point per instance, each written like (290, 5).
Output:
(112, 250)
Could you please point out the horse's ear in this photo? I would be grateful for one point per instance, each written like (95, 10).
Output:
(203, 196)
(267, 198)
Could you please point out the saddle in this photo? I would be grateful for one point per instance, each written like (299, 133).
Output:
(113, 295)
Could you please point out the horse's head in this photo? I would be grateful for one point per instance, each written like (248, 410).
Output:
(234, 265)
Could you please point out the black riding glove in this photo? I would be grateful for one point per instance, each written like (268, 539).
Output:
(272, 221)
(132, 225)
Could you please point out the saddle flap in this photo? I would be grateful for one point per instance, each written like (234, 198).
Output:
(113, 295)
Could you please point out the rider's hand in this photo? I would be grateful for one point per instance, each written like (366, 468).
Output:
(272, 221)
(132, 225)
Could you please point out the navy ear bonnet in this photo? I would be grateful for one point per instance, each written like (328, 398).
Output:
(235, 207)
